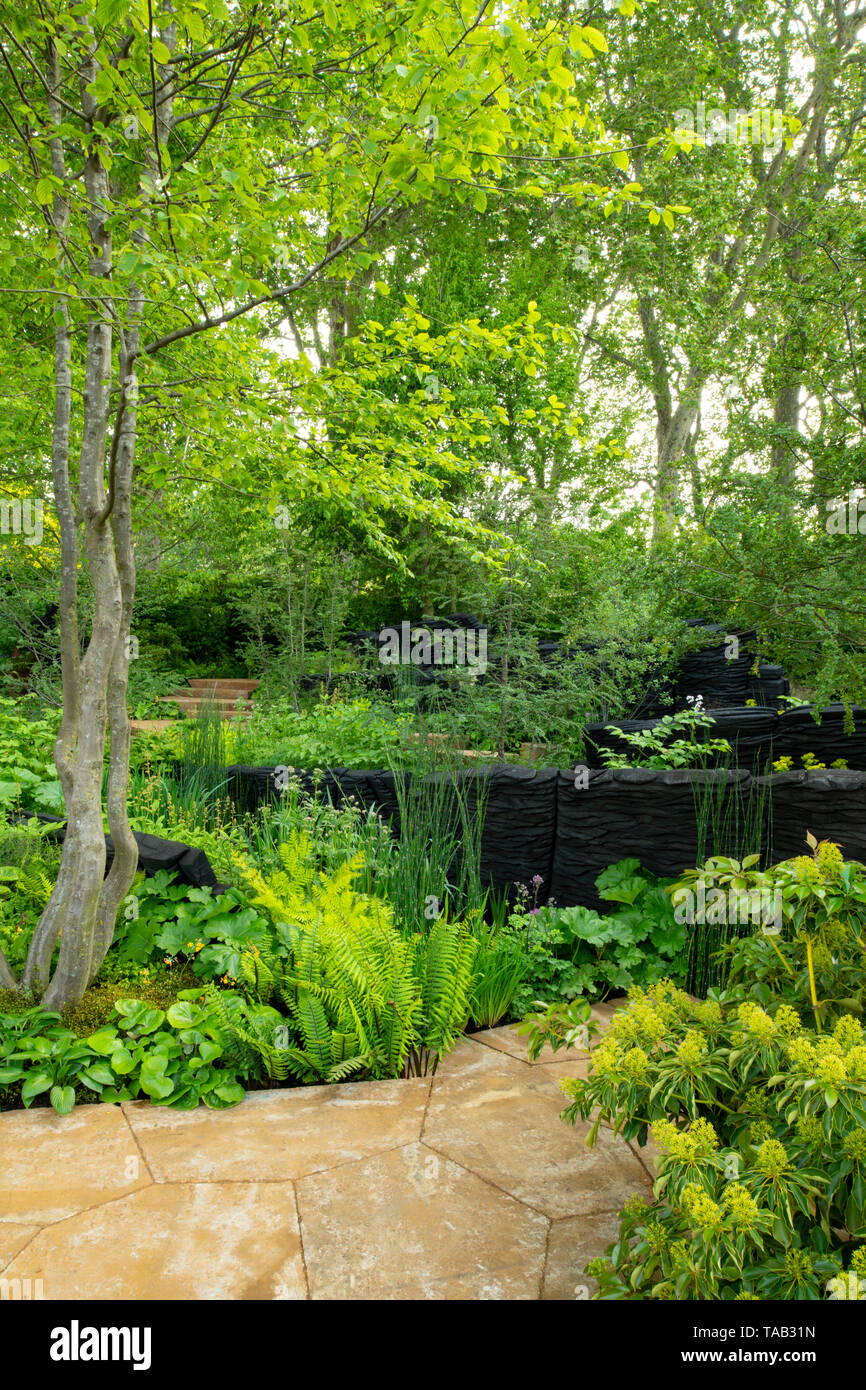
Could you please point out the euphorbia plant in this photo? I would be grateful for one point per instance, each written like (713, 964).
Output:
(761, 1123)
(803, 923)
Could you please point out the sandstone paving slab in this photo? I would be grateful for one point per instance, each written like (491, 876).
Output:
(14, 1235)
(509, 1041)
(555, 1071)
(52, 1166)
(410, 1224)
(501, 1121)
(470, 1057)
(571, 1245)
(279, 1135)
(174, 1241)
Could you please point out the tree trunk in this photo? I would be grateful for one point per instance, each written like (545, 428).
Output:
(83, 906)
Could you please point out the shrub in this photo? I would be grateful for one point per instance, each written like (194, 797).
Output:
(761, 1189)
(810, 952)
(29, 777)
(673, 741)
(171, 1056)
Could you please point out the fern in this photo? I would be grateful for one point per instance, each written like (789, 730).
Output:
(247, 1036)
(33, 883)
(360, 997)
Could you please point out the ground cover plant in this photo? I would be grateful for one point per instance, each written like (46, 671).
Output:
(28, 777)
(577, 951)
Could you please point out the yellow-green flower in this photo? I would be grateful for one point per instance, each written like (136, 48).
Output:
(685, 1146)
(855, 1063)
(742, 1207)
(757, 1022)
(810, 1130)
(806, 870)
(636, 1206)
(772, 1159)
(656, 1236)
(634, 1063)
(854, 1145)
(692, 1049)
(788, 1021)
(606, 1058)
(798, 1264)
(848, 1032)
(829, 859)
(700, 1207)
(639, 1023)
(708, 1012)
(760, 1130)
(831, 1070)
(680, 1253)
(803, 1055)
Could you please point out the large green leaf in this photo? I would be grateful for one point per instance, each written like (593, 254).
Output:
(63, 1098)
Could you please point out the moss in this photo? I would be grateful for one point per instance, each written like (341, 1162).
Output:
(95, 1008)
(97, 1005)
(11, 1002)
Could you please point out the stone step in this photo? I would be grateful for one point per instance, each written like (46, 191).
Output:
(223, 682)
(228, 709)
(205, 698)
(218, 697)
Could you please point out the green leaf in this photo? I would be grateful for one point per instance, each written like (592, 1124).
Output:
(184, 1014)
(63, 1098)
(594, 37)
(122, 1060)
(154, 1081)
(97, 1076)
(230, 1092)
(36, 1085)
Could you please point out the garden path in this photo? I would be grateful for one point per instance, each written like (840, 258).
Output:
(461, 1186)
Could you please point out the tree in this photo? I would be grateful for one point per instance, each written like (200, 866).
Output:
(160, 162)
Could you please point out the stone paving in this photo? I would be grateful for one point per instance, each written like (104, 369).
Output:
(466, 1185)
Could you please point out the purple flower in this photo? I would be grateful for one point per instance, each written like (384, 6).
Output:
(536, 879)
(532, 911)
